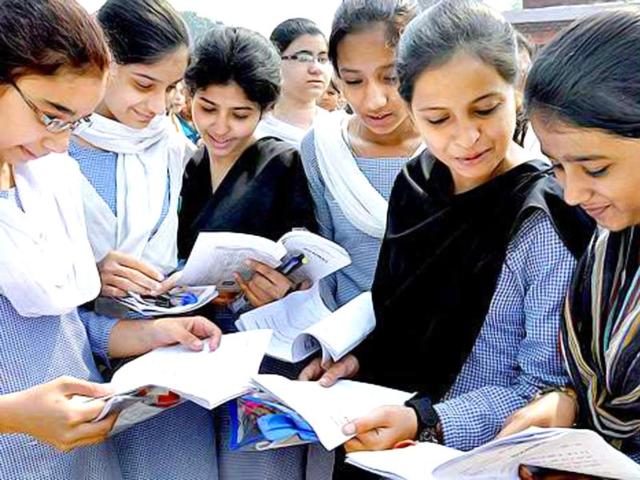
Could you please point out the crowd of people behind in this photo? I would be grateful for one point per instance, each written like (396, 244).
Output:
(486, 195)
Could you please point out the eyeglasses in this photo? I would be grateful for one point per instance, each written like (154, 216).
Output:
(53, 125)
(306, 57)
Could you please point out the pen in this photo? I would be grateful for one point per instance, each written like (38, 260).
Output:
(291, 265)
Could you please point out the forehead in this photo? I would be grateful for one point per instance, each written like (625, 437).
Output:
(564, 142)
(311, 43)
(366, 50)
(79, 93)
(461, 79)
(168, 69)
(230, 95)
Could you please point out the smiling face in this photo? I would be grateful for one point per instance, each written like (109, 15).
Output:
(137, 93)
(466, 113)
(366, 66)
(306, 81)
(225, 118)
(66, 96)
(599, 171)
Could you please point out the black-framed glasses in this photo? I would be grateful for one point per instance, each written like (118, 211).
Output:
(307, 57)
(53, 125)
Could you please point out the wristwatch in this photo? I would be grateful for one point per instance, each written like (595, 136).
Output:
(429, 427)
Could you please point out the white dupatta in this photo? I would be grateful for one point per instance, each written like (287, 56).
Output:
(360, 202)
(145, 158)
(46, 263)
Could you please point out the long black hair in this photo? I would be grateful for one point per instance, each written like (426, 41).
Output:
(142, 31)
(589, 75)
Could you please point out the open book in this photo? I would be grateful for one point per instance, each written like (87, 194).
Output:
(167, 376)
(570, 450)
(302, 325)
(216, 256)
(327, 410)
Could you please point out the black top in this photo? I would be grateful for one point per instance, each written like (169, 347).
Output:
(264, 193)
(439, 266)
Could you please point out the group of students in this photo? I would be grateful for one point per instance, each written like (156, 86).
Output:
(497, 298)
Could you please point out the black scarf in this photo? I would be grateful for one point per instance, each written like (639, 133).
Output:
(439, 266)
(264, 193)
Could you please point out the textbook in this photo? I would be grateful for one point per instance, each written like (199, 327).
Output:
(303, 325)
(216, 256)
(565, 449)
(165, 377)
(327, 410)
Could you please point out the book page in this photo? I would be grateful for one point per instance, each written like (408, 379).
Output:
(216, 256)
(288, 318)
(327, 410)
(324, 256)
(344, 329)
(207, 378)
(572, 450)
(411, 463)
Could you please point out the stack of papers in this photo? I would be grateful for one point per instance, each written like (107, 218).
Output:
(570, 450)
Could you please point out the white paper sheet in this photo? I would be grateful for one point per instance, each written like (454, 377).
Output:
(324, 256)
(411, 463)
(571, 450)
(327, 410)
(288, 318)
(216, 256)
(343, 330)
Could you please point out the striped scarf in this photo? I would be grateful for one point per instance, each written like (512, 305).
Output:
(601, 334)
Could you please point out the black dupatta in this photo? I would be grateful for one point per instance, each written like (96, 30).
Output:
(440, 262)
(264, 193)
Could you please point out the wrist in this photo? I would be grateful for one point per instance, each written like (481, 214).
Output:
(429, 428)
(10, 413)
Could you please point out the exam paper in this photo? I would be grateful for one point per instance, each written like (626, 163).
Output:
(288, 318)
(327, 410)
(302, 325)
(341, 331)
(412, 463)
(206, 378)
(216, 256)
(571, 450)
(324, 256)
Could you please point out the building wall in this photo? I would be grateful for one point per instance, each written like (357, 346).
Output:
(540, 33)
(552, 3)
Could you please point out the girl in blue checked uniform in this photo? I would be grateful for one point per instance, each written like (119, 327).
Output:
(352, 161)
(594, 144)
(479, 247)
(53, 69)
(239, 183)
(132, 160)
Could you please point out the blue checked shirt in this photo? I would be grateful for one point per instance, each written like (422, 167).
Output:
(517, 351)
